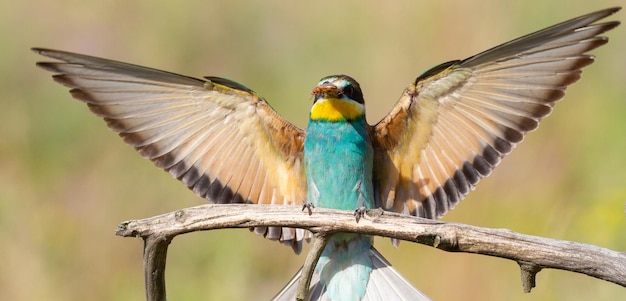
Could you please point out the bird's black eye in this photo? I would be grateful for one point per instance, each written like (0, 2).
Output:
(348, 90)
(353, 93)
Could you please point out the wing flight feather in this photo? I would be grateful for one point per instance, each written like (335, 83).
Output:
(218, 137)
(456, 122)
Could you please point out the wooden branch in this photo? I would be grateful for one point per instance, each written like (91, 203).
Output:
(308, 268)
(532, 253)
(154, 257)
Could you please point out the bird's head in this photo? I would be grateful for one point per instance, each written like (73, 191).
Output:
(337, 98)
(338, 86)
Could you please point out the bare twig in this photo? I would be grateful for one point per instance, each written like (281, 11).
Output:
(155, 255)
(321, 238)
(531, 252)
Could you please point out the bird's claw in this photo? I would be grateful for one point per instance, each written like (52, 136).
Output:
(309, 207)
(359, 213)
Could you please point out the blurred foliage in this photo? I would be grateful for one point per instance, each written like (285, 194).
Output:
(66, 181)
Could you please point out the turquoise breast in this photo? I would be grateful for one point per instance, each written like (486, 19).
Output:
(338, 159)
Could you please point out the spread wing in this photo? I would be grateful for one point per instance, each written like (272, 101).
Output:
(216, 136)
(455, 123)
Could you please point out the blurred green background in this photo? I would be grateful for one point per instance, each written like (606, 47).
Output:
(66, 181)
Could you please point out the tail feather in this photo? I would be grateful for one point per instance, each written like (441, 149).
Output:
(385, 284)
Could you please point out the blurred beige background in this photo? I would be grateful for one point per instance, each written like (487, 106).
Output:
(66, 181)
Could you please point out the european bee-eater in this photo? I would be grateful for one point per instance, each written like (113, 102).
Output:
(449, 129)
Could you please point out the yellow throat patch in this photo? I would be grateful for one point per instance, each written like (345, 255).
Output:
(336, 109)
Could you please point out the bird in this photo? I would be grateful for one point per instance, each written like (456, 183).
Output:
(450, 128)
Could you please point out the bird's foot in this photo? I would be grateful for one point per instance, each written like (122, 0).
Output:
(359, 213)
(309, 207)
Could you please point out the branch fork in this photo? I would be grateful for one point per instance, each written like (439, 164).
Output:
(532, 253)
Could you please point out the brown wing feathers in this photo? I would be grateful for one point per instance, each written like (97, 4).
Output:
(459, 119)
(216, 136)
